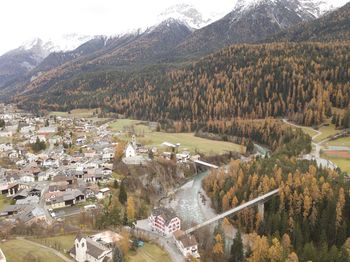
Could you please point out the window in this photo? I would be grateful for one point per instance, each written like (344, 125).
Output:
(77, 245)
(82, 244)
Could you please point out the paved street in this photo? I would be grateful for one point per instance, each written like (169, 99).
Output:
(168, 243)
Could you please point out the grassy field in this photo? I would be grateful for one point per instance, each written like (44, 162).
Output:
(4, 202)
(79, 113)
(309, 131)
(344, 141)
(139, 126)
(326, 132)
(190, 142)
(342, 163)
(149, 253)
(187, 140)
(4, 140)
(20, 250)
(64, 242)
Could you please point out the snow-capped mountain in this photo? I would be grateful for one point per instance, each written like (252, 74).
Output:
(252, 21)
(187, 14)
(65, 42)
(18, 62)
(316, 8)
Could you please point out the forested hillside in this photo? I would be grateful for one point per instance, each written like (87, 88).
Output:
(311, 210)
(299, 80)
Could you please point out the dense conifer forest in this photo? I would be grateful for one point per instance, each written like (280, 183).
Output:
(310, 211)
(301, 81)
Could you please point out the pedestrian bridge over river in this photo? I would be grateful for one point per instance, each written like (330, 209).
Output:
(259, 201)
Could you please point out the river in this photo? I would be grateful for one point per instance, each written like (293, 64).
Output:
(188, 202)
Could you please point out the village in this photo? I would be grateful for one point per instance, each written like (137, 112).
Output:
(86, 176)
(53, 168)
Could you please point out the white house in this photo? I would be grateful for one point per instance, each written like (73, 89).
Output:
(164, 221)
(103, 193)
(51, 162)
(5, 134)
(86, 249)
(47, 130)
(187, 244)
(33, 139)
(27, 129)
(27, 178)
(6, 147)
(130, 151)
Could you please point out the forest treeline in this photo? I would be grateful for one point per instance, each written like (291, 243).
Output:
(311, 210)
(269, 132)
(301, 81)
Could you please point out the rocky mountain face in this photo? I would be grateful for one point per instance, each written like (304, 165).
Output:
(332, 26)
(186, 13)
(105, 54)
(16, 63)
(249, 22)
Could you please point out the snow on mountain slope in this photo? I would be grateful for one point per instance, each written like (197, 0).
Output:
(187, 14)
(316, 8)
(66, 42)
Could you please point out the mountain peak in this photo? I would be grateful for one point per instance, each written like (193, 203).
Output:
(314, 8)
(185, 13)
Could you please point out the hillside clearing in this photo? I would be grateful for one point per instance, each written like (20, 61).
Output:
(19, 250)
(149, 253)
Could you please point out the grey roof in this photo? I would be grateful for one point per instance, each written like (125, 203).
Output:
(29, 213)
(13, 208)
(186, 240)
(94, 249)
(166, 213)
(27, 201)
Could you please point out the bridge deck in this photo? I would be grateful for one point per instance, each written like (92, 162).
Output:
(205, 164)
(233, 210)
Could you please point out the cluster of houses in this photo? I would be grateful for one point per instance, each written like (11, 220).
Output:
(55, 177)
(165, 222)
(71, 170)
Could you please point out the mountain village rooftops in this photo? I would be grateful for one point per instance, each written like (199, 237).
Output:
(187, 240)
(166, 213)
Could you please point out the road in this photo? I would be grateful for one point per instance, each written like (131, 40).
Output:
(54, 251)
(315, 154)
(167, 243)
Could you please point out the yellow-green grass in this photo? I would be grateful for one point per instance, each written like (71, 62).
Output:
(326, 132)
(344, 141)
(149, 253)
(78, 113)
(192, 143)
(4, 201)
(64, 242)
(309, 131)
(342, 163)
(4, 140)
(187, 140)
(306, 130)
(20, 250)
(139, 126)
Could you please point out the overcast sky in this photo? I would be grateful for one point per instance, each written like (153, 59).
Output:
(22, 20)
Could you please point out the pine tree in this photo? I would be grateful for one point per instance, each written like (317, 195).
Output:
(237, 254)
(117, 255)
(123, 196)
